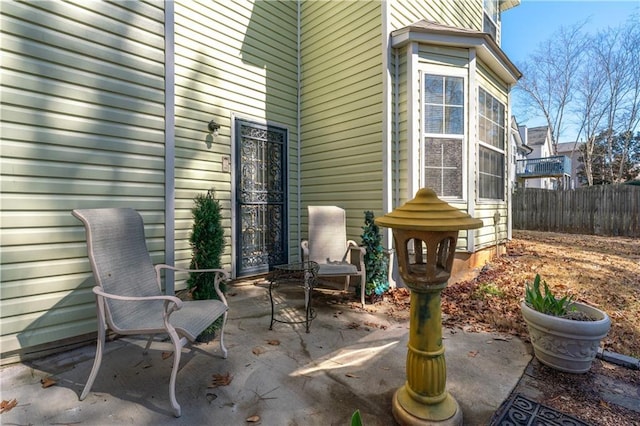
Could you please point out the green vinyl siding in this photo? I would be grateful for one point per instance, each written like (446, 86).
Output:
(342, 108)
(455, 13)
(82, 126)
(232, 58)
(492, 84)
(401, 150)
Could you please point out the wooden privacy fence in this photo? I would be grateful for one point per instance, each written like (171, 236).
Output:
(596, 210)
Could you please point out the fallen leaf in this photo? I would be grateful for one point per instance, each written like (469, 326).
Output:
(258, 350)
(7, 405)
(166, 355)
(253, 419)
(472, 354)
(211, 397)
(273, 342)
(221, 380)
(47, 382)
(352, 375)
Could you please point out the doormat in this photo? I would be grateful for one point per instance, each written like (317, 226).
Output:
(519, 410)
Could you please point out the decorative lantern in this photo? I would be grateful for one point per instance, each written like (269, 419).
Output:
(425, 232)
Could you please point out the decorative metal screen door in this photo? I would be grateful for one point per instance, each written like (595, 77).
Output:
(261, 197)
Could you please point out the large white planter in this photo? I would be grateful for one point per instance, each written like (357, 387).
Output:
(564, 344)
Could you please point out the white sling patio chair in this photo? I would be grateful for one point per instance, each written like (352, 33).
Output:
(128, 295)
(328, 246)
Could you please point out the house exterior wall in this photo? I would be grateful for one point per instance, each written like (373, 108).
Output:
(232, 59)
(455, 13)
(107, 104)
(341, 109)
(82, 126)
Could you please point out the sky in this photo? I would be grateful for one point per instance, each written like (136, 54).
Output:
(525, 26)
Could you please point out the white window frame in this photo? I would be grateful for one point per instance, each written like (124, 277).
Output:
(446, 71)
(494, 20)
(483, 144)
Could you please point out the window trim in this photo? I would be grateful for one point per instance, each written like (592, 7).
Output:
(446, 71)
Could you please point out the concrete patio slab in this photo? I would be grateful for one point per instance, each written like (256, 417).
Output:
(352, 359)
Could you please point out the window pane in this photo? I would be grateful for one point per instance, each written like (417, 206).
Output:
(443, 166)
(491, 174)
(454, 93)
(443, 104)
(433, 89)
(452, 185)
(454, 120)
(491, 125)
(433, 119)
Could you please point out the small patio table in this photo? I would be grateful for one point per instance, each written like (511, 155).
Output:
(302, 274)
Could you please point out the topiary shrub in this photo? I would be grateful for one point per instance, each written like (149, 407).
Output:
(375, 260)
(207, 245)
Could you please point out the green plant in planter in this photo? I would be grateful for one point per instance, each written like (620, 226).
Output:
(375, 259)
(207, 244)
(546, 303)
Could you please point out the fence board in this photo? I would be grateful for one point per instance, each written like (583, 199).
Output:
(612, 210)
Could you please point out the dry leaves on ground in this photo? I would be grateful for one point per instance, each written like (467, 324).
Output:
(47, 382)
(600, 271)
(220, 380)
(6, 405)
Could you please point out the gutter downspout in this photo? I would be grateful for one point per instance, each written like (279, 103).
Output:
(298, 126)
(169, 144)
(509, 172)
(396, 142)
(472, 168)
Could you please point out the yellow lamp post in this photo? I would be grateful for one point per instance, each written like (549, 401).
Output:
(425, 231)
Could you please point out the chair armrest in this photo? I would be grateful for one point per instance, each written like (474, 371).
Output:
(304, 244)
(177, 303)
(353, 246)
(221, 275)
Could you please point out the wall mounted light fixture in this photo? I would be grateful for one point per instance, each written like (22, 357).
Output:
(214, 127)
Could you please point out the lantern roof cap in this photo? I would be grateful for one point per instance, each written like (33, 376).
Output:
(426, 212)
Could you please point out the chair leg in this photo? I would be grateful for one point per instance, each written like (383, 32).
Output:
(362, 288)
(222, 347)
(177, 351)
(97, 360)
(146, 348)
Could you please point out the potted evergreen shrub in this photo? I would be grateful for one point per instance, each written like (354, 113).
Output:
(207, 244)
(375, 259)
(565, 334)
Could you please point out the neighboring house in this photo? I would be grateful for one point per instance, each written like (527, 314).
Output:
(572, 151)
(519, 151)
(539, 140)
(355, 104)
(542, 168)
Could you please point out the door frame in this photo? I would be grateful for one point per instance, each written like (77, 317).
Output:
(234, 202)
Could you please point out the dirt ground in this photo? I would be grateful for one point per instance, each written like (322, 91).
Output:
(600, 271)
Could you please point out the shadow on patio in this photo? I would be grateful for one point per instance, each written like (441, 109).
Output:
(352, 359)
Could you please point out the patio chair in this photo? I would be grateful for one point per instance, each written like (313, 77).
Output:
(328, 246)
(128, 296)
